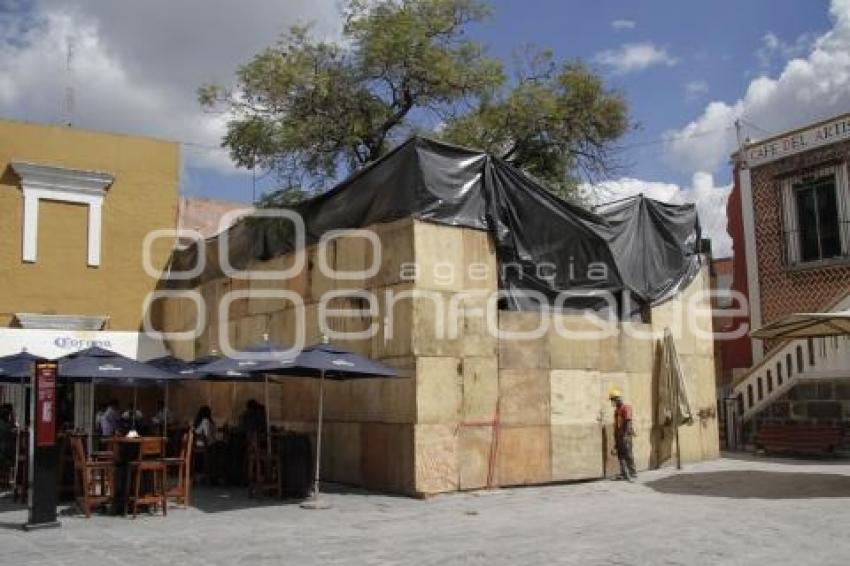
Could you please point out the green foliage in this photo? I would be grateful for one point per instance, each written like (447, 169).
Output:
(558, 123)
(311, 110)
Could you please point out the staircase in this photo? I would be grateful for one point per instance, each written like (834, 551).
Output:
(788, 364)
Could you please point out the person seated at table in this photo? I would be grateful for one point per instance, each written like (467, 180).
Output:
(162, 414)
(204, 427)
(253, 420)
(110, 419)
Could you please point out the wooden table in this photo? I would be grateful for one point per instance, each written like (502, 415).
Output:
(125, 450)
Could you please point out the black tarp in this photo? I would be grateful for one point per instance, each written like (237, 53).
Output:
(640, 251)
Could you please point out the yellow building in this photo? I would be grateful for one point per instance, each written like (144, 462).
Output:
(75, 209)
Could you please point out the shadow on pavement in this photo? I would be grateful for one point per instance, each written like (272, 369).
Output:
(826, 460)
(755, 484)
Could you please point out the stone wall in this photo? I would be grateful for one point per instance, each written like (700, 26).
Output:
(473, 410)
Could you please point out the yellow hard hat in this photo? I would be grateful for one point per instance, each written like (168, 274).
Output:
(613, 393)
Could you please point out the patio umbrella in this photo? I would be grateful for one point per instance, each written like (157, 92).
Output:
(175, 366)
(806, 325)
(251, 365)
(332, 362)
(99, 365)
(16, 368)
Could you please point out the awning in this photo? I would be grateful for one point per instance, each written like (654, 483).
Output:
(806, 325)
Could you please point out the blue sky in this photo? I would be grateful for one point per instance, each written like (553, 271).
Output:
(688, 70)
(714, 45)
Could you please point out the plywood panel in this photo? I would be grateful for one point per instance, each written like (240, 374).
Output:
(524, 397)
(524, 455)
(577, 451)
(436, 458)
(341, 447)
(577, 397)
(439, 387)
(439, 256)
(387, 461)
(523, 350)
(480, 389)
(474, 452)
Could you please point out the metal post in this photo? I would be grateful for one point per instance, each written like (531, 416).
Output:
(319, 434)
(165, 413)
(268, 421)
(314, 503)
(92, 414)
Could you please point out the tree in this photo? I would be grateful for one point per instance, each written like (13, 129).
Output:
(558, 123)
(311, 110)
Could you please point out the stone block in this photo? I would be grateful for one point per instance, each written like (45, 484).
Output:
(523, 456)
(436, 458)
(577, 451)
(524, 397)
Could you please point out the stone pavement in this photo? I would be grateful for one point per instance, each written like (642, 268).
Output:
(731, 511)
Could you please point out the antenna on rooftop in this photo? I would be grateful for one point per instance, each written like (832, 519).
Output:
(69, 102)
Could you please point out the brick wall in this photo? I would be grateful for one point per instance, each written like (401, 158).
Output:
(786, 291)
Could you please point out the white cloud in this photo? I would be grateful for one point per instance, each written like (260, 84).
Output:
(709, 198)
(136, 66)
(773, 47)
(806, 90)
(694, 89)
(623, 24)
(631, 57)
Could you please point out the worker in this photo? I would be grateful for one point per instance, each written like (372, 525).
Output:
(623, 433)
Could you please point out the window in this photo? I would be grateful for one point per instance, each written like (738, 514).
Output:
(761, 389)
(750, 395)
(769, 382)
(815, 216)
(779, 373)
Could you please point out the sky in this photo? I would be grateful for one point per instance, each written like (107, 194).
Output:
(688, 70)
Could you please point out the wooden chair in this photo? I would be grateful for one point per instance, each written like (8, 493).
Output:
(149, 466)
(94, 478)
(182, 492)
(263, 469)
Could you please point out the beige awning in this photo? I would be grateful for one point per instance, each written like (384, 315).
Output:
(806, 325)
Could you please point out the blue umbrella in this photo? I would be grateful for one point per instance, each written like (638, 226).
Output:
(99, 365)
(17, 367)
(105, 366)
(250, 365)
(332, 362)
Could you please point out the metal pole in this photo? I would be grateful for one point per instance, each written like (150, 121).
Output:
(319, 434)
(92, 422)
(268, 421)
(165, 413)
